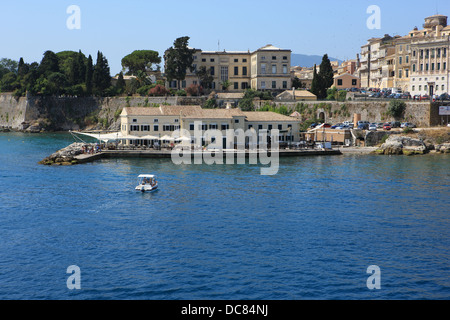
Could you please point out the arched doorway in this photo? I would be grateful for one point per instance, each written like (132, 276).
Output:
(322, 116)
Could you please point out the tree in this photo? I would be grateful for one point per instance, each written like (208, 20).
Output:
(397, 108)
(140, 60)
(22, 68)
(158, 90)
(89, 74)
(49, 63)
(101, 78)
(178, 59)
(7, 66)
(315, 84)
(326, 73)
(296, 83)
(120, 85)
(205, 77)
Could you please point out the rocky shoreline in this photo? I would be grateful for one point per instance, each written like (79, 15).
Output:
(67, 155)
(404, 145)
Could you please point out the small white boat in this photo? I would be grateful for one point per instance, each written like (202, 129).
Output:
(147, 183)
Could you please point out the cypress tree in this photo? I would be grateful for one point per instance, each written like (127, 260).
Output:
(120, 85)
(101, 77)
(81, 67)
(326, 73)
(89, 74)
(315, 85)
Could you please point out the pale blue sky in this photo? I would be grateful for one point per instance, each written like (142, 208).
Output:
(116, 28)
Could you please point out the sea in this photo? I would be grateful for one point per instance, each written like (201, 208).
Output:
(348, 227)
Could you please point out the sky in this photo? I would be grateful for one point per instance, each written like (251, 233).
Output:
(117, 28)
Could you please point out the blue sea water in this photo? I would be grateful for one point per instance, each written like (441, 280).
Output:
(222, 231)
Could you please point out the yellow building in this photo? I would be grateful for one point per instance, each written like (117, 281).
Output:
(267, 68)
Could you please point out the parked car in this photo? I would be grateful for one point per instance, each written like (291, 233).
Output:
(425, 97)
(363, 126)
(387, 126)
(373, 127)
(336, 125)
(380, 125)
(444, 96)
(406, 95)
(408, 125)
(395, 124)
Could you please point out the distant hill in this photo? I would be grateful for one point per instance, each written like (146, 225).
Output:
(308, 61)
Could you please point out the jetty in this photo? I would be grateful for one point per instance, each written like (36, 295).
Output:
(167, 154)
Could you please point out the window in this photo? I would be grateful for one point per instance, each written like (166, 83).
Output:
(425, 87)
(224, 73)
(444, 66)
(155, 120)
(244, 71)
(420, 87)
(134, 128)
(280, 127)
(203, 60)
(443, 87)
(263, 58)
(155, 127)
(432, 66)
(211, 60)
(269, 127)
(400, 60)
(285, 58)
(236, 60)
(263, 68)
(260, 126)
(225, 126)
(191, 126)
(236, 85)
(407, 73)
(183, 84)
(263, 84)
(212, 70)
(213, 126)
(145, 127)
(421, 67)
(354, 82)
(413, 88)
(134, 120)
(177, 120)
(414, 67)
(399, 73)
(274, 84)
(439, 66)
(244, 60)
(244, 85)
(407, 59)
(339, 82)
(250, 126)
(427, 67)
(285, 70)
(195, 57)
(274, 69)
(236, 120)
(274, 58)
(236, 71)
(284, 84)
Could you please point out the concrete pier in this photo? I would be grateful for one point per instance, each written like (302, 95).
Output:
(83, 158)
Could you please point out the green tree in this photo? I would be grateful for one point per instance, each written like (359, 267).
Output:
(7, 66)
(315, 84)
(140, 60)
(397, 108)
(296, 83)
(205, 77)
(89, 75)
(101, 78)
(326, 73)
(49, 63)
(9, 82)
(179, 58)
(120, 85)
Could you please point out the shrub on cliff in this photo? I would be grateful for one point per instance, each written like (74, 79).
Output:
(397, 108)
(158, 90)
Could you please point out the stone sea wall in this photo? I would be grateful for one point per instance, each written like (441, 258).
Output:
(36, 114)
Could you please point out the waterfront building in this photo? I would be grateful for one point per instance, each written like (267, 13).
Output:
(430, 57)
(416, 63)
(148, 125)
(267, 68)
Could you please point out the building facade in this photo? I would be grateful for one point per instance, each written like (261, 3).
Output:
(148, 125)
(267, 68)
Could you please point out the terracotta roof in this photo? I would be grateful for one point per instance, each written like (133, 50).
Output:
(255, 116)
